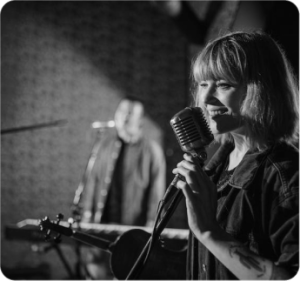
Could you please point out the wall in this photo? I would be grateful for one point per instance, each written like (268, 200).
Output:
(73, 61)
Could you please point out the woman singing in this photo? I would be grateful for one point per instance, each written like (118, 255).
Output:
(243, 206)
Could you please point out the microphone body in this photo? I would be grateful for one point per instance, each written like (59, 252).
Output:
(193, 134)
(191, 130)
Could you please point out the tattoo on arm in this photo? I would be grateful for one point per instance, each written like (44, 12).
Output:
(247, 260)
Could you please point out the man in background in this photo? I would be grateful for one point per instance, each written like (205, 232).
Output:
(126, 182)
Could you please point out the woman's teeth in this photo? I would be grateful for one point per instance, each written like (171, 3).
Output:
(216, 112)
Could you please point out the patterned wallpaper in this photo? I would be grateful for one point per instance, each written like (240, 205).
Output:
(73, 61)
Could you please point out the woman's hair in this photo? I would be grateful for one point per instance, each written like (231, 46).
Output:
(270, 106)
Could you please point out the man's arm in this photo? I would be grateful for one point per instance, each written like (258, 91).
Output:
(158, 181)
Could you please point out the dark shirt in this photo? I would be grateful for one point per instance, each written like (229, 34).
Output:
(112, 212)
(129, 178)
(124, 187)
(258, 207)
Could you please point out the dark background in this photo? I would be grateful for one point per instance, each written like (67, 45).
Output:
(73, 61)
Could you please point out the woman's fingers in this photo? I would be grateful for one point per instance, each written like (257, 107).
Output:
(189, 183)
(187, 165)
(186, 188)
(196, 160)
(189, 170)
(199, 191)
(185, 172)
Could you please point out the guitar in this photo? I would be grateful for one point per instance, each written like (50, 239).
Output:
(25, 230)
(162, 263)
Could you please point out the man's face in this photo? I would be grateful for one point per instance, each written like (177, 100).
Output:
(129, 119)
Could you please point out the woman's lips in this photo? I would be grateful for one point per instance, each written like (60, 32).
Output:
(216, 113)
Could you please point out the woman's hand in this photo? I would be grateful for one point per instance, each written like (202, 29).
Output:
(201, 201)
(201, 196)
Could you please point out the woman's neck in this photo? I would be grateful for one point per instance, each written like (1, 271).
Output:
(240, 149)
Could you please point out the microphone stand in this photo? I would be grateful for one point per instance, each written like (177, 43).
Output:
(87, 173)
(34, 127)
(76, 208)
(141, 261)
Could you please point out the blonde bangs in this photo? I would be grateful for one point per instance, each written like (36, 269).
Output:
(219, 62)
(270, 108)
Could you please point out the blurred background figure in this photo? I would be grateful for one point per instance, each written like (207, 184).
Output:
(126, 182)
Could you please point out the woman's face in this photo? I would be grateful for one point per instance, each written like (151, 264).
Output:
(222, 102)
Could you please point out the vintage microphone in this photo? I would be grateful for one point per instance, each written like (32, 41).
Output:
(193, 134)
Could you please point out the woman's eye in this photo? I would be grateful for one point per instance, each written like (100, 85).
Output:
(203, 85)
(224, 86)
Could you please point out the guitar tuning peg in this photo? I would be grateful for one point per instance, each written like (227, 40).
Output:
(57, 239)
(60, 217)
(40, 225)
(70, 221)
(47, 235)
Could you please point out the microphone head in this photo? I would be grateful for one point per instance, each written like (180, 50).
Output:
(191, 129)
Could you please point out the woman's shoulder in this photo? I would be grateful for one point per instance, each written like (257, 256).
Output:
(283, 163)
(284, 154)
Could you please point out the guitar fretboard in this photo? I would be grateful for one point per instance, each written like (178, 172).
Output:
(94, 228)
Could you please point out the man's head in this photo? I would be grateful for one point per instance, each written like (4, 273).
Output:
(129, 119)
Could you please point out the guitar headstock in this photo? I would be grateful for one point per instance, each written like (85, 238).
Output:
(47, 225)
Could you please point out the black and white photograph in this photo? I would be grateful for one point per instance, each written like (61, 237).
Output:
(150, 140)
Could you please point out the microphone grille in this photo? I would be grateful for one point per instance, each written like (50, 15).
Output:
(191, 129)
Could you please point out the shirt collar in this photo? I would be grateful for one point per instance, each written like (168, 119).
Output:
(244, 173)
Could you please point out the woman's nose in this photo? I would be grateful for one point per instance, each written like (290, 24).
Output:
(207, 95)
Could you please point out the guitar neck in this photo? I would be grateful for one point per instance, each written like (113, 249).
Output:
(93, 241)
(168, 233)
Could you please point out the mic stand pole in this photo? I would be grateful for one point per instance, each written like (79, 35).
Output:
(140, 262)
(34, 127)
(76, 208)
(63, 259)
(86, 175)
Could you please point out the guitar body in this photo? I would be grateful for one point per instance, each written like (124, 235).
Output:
(162, 264)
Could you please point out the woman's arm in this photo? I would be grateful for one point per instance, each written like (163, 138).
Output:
(242, 262)
(201, 201)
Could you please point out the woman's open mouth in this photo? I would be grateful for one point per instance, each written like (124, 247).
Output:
(217, 113)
